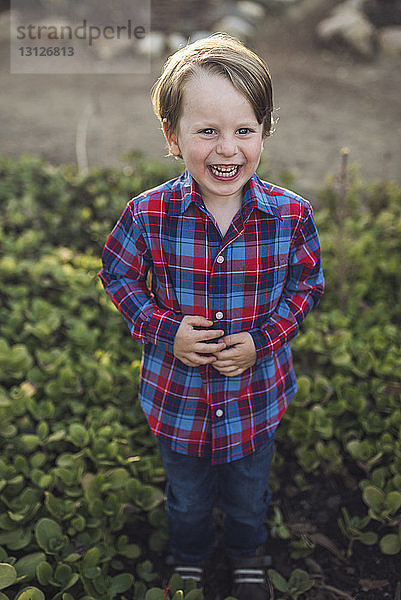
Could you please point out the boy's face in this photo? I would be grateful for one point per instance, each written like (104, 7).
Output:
(218, 137)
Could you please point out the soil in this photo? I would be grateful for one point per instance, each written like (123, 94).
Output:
(365, 574)
(324, 101)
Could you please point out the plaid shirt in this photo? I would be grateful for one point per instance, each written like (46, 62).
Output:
(263, 276)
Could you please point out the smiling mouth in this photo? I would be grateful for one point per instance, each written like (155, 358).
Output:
(224, 171)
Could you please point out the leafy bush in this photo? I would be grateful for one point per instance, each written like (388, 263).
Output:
(45, 206)
(80, 476)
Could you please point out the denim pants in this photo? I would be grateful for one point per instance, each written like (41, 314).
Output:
(239, 488)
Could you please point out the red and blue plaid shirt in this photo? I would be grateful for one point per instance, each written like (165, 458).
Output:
(263, 276)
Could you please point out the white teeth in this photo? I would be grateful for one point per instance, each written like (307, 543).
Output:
(224, 171)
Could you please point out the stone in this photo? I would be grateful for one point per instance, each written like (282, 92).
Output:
(175, 41)
(153, 44)
(5, 18)
(110, 49)
(199, 35)
(383, 13)
(389, 41)
(251, 10)
(273, 3)
(348, 25)
(236, 26)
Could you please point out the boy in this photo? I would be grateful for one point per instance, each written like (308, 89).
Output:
(235, 267)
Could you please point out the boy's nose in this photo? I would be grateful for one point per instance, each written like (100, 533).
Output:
(227, 146)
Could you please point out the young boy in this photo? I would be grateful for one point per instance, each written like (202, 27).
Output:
(235, 269)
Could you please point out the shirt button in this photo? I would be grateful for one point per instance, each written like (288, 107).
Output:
(219, 315)
(219, 412)
(220, 259)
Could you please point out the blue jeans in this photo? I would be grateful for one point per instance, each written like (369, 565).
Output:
(195, 486)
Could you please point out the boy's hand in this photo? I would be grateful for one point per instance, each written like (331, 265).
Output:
(190, 345)
(239, 357)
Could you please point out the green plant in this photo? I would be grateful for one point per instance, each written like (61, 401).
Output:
(382, 507)
(352, 528)
(391, 543)
(298, 583)
(277, 526)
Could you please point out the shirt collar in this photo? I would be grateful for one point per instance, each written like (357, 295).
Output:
(257, 194)
(183, 191)
(262, 195)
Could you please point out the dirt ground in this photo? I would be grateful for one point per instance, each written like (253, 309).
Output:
(325, 101)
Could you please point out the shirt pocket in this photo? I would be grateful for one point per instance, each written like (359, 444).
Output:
(272, 279)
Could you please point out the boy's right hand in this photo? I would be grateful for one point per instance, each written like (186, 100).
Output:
(191, 344)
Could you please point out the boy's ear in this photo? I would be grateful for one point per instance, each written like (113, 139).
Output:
(172, 139)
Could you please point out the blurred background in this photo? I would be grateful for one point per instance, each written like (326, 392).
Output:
(336, 75)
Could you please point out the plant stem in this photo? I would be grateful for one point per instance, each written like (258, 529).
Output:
(340, 593)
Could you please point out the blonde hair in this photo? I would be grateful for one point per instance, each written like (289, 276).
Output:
(219, 54)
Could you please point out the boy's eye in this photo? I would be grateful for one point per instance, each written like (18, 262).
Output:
(244, 130)
(208, 131)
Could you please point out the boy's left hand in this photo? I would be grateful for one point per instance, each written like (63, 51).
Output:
(239, 357)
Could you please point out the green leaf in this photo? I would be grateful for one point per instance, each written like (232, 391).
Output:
(62, 574)
(78, 523)
(117, 478)
(26, 566)
(390, 544)
(373, 497)
(79, 435)
(91, 558)
(131, 551)
(300, 581)
(175, 583)
(31, 593)
(46, 531)
(194, 595)
(91, 572)
(154, 594)
(368, 537)
(145, 571)
(278, 580)
(30, 442)
(8, 575)
(44, 573)
(16, 540)
(139, 590)
(283, 532)
(121, 583)
(393, 502)
(73, 557)
(149, 497)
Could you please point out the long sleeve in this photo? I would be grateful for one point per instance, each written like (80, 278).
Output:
(303, 290)
(126, 262)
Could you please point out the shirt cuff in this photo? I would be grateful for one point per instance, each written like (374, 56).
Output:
(162, 328)
(263, 343)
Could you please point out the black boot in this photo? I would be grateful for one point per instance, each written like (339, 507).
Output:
(250, 578)
(194, 572)
(186, 570)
